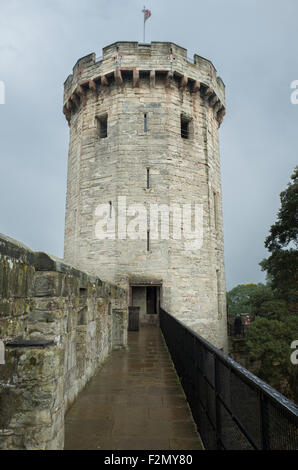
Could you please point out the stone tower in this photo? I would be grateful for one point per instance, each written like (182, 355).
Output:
(144, 189)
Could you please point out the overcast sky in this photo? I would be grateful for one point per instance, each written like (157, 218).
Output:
(253, 45)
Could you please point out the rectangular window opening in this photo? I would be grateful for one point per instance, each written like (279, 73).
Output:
(111, 208)
(184, 127)
(148, 240)
(102, 126)
(145, 123)
(151, 301)
(83, 291)
(187, 129)
(148, 178)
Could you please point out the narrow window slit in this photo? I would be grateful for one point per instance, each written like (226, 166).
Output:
(145, 122)
(148, 178)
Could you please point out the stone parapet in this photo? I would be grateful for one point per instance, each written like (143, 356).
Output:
(58, 325)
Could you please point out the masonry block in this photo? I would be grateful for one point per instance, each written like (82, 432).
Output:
(119, 328)
(47, 284)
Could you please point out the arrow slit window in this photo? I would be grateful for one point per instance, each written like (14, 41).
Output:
(145, 122)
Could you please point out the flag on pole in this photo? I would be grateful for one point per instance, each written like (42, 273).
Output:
(147, 14)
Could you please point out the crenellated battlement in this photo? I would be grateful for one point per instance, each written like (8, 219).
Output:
(123, 61)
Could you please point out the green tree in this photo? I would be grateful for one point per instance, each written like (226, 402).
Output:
(282, 268)
(282, 243)
(238, 299)
(269, 341)
(275, 304)
(249, 298)
(263, 293)
(275, 309)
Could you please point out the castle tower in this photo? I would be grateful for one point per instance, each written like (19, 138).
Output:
(144, 123)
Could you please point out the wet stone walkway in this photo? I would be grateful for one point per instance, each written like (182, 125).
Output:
(135, 402)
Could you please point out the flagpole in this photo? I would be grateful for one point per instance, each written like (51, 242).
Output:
(144, 31)
(144, 26)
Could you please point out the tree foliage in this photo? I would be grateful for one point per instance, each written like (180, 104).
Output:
(275, 309)
(239, 298)
(250, 298)
(269, 341)
(282, 268)
(285, 229)
(282, 243)
(271, 334)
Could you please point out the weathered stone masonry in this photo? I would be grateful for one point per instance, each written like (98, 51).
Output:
(58, 325)
(144, 92)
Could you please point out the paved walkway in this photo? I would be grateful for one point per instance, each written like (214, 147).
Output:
(134, 402)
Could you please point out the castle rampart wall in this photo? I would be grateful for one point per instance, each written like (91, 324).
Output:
(58, 325)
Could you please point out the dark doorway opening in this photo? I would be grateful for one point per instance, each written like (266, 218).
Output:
(147, 298)
(151, 300)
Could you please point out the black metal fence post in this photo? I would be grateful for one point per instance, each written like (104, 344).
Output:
(217, 402)
(264, 422)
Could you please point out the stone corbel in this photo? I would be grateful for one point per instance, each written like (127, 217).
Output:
(135, 78)
(213, 100)
(118, 77)
(217, 107)
(183, 81)
(69, 105)
(152, 78)
(75, 99)
(67, 113)
(80, 91)
(220, 115)
(92, 85)
(197, 86)
(65, 110)
(169, 78)
(104, 80)
(209, 92)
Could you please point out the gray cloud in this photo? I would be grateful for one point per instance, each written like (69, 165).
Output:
(253, 46)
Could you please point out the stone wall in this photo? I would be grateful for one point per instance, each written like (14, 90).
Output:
(58, 325)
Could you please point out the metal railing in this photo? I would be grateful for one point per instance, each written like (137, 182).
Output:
(233, 409)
